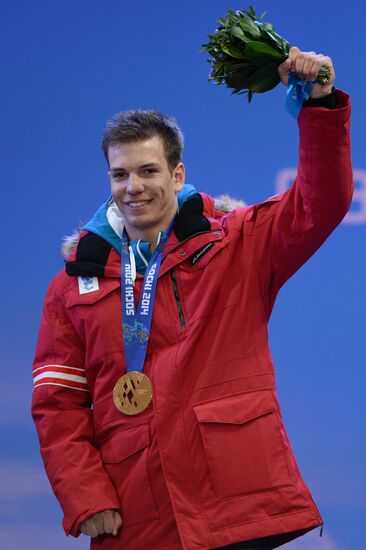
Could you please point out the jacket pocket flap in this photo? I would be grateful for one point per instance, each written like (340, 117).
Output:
(125, 443)
(237, 409)
(97, 290)
(202, 255)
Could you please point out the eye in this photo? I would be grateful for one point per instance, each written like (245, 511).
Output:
(118, 176)
(150, 171)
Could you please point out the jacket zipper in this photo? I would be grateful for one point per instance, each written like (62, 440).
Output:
(177, 299)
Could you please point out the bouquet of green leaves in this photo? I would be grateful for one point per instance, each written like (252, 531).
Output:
(246, 52)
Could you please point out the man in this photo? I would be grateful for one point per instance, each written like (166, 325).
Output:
(166, 432)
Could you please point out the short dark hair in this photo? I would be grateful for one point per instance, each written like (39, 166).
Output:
(139, 124)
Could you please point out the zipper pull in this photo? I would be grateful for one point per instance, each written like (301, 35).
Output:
(321, 530)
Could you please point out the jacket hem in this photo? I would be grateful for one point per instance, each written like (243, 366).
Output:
(282, 528)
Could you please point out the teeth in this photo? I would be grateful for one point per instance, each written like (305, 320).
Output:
(137, 204)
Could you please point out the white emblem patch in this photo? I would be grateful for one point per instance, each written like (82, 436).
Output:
(88, 284)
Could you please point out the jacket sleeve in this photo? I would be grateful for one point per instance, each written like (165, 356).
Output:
(61, 408)
(305, 215)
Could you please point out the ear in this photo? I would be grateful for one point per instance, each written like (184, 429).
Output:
(179, 176)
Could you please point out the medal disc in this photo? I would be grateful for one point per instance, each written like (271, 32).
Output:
(132, 393)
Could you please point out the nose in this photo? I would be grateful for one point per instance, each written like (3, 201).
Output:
(134, 185)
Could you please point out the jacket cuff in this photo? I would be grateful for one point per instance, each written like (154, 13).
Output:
(81, 498)
(328, 101)
(75, 528)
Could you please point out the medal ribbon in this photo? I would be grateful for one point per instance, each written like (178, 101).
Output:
(297, 92)
(136, 325)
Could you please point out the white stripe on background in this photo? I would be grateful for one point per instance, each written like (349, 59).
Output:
(62, 375)
(62, 366)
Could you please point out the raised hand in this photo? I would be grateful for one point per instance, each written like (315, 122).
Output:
(307, 65)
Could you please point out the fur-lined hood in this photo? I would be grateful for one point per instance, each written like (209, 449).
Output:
(222, 203)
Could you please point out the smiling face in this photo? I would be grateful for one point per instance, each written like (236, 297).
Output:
(143, 187)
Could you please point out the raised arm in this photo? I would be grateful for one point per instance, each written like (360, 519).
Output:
(322, 193)
(290, 227)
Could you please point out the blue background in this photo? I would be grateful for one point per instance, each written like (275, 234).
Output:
(66, 67)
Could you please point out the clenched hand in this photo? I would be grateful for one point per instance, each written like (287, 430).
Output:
(307, 66)
(106, 522)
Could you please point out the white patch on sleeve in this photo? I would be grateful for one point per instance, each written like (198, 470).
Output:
(88, 284)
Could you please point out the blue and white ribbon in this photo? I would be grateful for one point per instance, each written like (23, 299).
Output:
(297, 92)
(136, 324)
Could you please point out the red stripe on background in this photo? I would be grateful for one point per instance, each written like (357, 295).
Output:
(62, 386)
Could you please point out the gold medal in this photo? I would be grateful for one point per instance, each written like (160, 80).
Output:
(132, 393)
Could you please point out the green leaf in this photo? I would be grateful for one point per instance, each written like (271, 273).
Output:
(267, 26)
(233, 51)
(275, 40)
(261, 74)
(238, 66)
(247, 25)
(255, 49)
(252, 12)
(266, 84)
(238, 79)
(238, 33)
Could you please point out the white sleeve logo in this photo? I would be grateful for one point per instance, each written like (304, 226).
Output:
(88, 284)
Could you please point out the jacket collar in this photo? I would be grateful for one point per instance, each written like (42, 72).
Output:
(95, 257)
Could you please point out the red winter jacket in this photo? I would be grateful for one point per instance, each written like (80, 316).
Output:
(210, 462)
